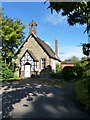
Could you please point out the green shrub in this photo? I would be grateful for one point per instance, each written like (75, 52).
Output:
(85, 64)
(82, 92)
(6, 72)
(70, 72)
(87, 69)
(58, 73)
(79, 71)
(58, 68)
(67, 73)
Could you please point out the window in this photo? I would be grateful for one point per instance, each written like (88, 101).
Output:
(36, 66)
(43, 63)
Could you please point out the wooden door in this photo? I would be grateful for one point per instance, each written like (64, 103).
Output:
(27, 70)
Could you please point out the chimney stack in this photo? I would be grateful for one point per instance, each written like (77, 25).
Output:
(56, 48)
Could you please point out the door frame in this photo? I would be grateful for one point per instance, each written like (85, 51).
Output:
(28, 64)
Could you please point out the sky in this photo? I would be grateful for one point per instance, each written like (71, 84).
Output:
(49, 27)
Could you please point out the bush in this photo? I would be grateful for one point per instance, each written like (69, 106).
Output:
(79, 71)
(70, 72)
(87, 68)
(67, 73)
(58, 73)
(82, 92)
(85, 64)
(58, 68)
(6, 72)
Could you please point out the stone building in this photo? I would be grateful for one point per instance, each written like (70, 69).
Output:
(34, 57)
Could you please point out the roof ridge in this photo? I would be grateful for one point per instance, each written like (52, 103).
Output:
(34, 34)
(44, 46)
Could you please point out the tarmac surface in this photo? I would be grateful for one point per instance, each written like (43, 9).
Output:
(38, 101)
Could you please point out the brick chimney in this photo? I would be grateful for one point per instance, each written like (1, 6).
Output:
(56, 48)
(33, 26)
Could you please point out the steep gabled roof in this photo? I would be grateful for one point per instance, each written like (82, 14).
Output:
(32, 55)
(44, 46)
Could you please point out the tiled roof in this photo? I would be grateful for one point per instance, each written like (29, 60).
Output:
(47, 49)
(32, 55)
(44, 46)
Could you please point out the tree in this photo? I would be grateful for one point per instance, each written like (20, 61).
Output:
(72, 59)
(0, 65)
(85, 64)
(11, 35)
(76, 12)
(86, 49)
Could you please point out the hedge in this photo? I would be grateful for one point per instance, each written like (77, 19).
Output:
(7, 73)
(82, 92)
(70, 72)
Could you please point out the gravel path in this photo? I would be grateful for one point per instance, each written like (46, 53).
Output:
(31, 100)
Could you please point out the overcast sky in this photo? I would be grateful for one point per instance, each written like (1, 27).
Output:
(49, 26)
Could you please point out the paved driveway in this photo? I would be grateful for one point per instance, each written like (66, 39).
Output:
(31, 100)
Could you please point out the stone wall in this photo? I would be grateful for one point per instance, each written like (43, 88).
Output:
(39, 53)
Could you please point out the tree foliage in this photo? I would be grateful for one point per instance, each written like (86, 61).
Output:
(11, 35)
(72, 72)
(72, 59)
(85, 64)
(86, 48)
(58, 68)
(6, 72)
(82, 92)
(76, 12)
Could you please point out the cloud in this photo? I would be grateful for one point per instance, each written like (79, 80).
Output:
(55, 19)
(70, 51)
